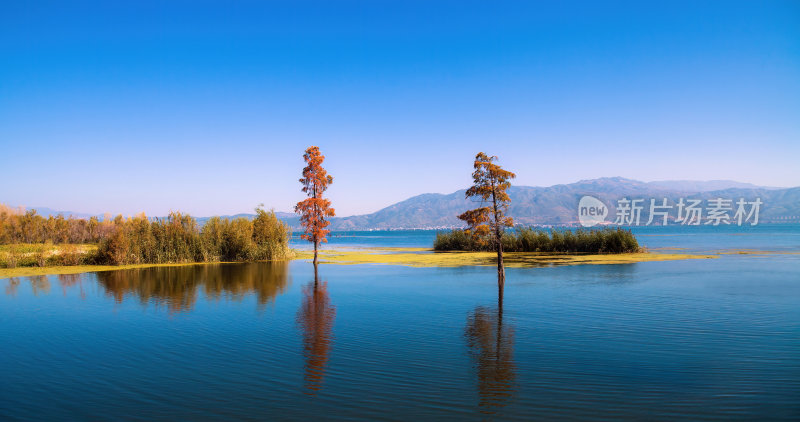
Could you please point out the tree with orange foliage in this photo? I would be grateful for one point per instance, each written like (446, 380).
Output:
(315, 210)
(490, 183)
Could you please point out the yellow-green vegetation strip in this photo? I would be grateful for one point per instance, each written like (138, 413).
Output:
(46, 248)
(420, 257)
(411, 257)
(24, 253)
(77, 269)
(756, 252)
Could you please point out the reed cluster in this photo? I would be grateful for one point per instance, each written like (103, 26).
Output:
(178, 238)
(29, 239)
(19, 226)
(606, 240)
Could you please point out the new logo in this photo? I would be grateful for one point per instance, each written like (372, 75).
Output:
(591, 211)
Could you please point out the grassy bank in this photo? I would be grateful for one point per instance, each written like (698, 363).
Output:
(78, 269)
(410, 257)
(46, 255)
(48, 259)
(599, 241)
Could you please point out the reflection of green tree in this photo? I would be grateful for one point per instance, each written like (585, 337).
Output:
(177, 287)
(315, 318)
(491, 345)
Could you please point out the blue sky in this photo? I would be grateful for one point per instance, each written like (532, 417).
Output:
(207, 107)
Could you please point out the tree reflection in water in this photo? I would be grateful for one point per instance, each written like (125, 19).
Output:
(41, 284)
(12, 285)
(178, 287)
(315, 319)
(491, 345)
(69, 281)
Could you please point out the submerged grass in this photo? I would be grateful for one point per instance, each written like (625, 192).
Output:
(419, 257)
(756, 252)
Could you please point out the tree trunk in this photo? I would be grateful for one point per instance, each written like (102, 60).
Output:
(501, 271)
(314, 238)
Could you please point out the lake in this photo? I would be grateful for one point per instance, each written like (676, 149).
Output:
(694, 339)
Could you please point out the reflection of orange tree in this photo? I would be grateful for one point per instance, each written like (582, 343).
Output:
(491, 345)
(315, 318)
(177, 287)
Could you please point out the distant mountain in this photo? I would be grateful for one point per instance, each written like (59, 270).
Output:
(554, 205)
(557, 205)
(289, 218)
(705, 186)
(47, 212)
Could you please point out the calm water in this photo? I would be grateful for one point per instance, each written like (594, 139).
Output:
(699, 339)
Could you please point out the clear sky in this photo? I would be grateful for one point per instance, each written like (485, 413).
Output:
(207, 107)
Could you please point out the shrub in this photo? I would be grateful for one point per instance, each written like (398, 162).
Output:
(20, 226)
(40, 258)
(456, 240)
(605, 240)
(178, 239)
(11, 261)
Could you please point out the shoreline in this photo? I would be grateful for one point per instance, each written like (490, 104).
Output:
(80, 269)
(409, 257)
(427, 257)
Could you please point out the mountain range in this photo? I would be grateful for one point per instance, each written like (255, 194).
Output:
(557, 205)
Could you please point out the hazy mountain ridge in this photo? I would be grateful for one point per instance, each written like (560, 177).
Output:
(706, 186)
(557, 204)
(554, 205)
